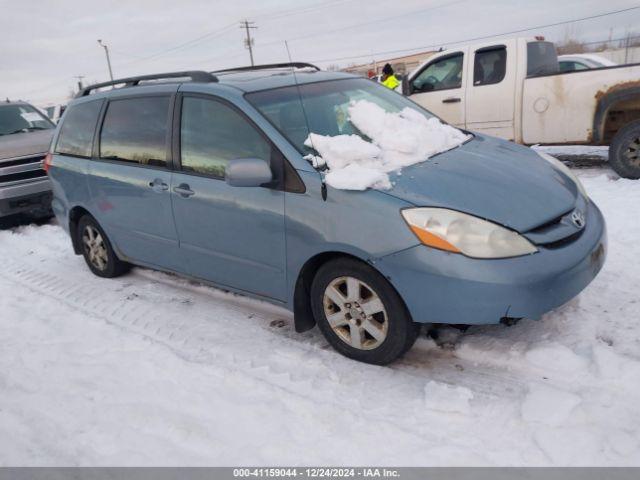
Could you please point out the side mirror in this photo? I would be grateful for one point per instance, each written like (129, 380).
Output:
(407, 87)
(247, 172)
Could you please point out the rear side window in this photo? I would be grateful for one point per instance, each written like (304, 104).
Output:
(212, 134)
(542, 58)
(135, 131)
(76, 132)
(490, 66)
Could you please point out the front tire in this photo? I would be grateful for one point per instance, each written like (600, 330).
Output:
(624, 151)
(97, 250)
(360, 313)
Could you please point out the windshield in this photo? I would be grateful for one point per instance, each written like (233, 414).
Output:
(325, 106)
(16, 118)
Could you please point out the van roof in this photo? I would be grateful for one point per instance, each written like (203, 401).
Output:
(255, 80)
(246, 79)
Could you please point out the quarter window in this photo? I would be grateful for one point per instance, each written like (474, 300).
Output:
(212, 134)
(490, 66)
(135, 130)
(442, 74)
(76, 132)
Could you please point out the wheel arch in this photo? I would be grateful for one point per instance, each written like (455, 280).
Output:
(302, 312)
(617, 107)
(75, 214)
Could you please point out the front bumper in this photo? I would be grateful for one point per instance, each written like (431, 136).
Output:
(442, 287)
(32, 198)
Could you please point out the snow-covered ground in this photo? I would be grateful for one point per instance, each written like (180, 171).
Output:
(150, 369)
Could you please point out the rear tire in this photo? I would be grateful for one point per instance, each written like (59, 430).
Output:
(97, 250)
(360, 313)
(624, 151)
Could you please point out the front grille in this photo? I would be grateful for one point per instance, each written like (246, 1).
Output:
(21, 161)
(14, 177)
(563, 241)
(21, 169)
(558, 232)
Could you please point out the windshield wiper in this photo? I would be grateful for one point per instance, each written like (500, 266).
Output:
(26, 129)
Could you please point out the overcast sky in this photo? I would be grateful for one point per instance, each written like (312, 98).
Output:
(44, 44)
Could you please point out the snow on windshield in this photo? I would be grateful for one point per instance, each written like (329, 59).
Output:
(397, 140)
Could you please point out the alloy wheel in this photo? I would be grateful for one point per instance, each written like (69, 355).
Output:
(355, 313)
(633, 152)
(95, 248)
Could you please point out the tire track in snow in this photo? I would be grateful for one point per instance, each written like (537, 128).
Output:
(114, 305)
(301, 365)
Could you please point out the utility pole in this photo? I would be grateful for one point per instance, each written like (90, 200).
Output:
(79, 77)
(626, 48)
(248, 42)
(106, 51)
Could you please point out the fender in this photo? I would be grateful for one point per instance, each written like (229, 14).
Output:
(615, 94)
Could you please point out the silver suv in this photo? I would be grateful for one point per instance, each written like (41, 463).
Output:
(25, 135)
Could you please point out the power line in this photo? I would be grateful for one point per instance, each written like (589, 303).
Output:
(371, 22)
(473, 39)
(190, 43)
(298, 11)
(217, 32)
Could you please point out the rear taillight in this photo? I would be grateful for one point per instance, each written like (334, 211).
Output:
(48, 161)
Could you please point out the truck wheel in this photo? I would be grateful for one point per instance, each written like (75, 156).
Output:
(360, 314)
(624, 152)
(97, 251)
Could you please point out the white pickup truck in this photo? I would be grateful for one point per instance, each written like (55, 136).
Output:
(513, 89)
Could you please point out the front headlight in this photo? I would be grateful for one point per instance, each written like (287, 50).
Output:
(564, 169)
(461, 233)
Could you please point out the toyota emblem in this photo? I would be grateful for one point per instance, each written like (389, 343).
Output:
(577, 217)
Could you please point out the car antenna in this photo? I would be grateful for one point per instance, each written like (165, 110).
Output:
(306, 120)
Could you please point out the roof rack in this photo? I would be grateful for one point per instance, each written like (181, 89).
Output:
(195, 75)
(269, 66)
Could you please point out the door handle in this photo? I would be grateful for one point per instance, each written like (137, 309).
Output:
(158, 185)
(184, 190)
(451, 100)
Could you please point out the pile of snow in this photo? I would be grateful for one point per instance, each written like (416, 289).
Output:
(397, 140)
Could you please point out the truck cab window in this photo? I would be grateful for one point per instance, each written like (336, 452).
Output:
(542, 58)
(442, 74)
(490, 66)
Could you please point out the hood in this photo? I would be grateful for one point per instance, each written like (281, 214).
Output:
(492, 179)
(23, 144)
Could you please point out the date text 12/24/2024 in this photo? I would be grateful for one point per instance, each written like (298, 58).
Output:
(315, 472)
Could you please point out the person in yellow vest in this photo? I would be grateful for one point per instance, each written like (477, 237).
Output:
(388, 79)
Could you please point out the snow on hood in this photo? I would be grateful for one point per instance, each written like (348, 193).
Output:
(397, 140)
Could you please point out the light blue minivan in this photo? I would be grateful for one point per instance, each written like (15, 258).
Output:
(204, 174)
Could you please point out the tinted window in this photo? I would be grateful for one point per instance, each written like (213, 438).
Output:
(76, 132)
(135, 130)
(541, 58)
(20, 118)
(213, 133)
(440, 75)
(490, 66)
